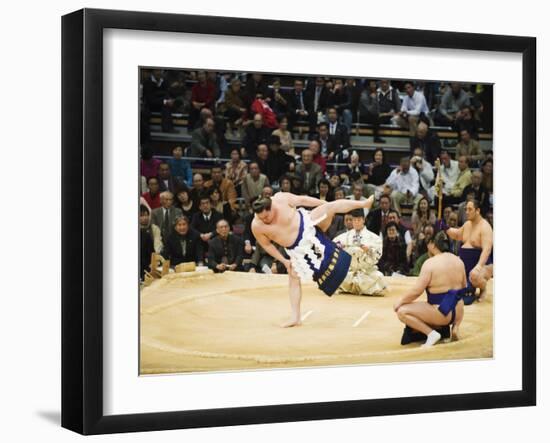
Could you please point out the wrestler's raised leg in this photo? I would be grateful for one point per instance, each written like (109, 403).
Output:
(341, 206)
(295, 294)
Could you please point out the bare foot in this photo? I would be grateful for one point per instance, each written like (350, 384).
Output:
(291, 323)
(369, 202)
(482, 294)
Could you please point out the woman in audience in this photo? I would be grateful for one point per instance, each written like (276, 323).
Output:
(185, 203)
(285, 184)
(423, 216)
(394, 252)
(285, 136)
(325, 191)
(236, 169)
(184, 244)
(219, 205)
(377, 171)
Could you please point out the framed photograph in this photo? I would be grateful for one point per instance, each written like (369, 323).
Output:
(269, 221)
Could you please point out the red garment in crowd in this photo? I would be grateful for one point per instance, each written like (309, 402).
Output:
(149, 168)
(321, 161)
(259, 106)
(153, 202)
(204, 94)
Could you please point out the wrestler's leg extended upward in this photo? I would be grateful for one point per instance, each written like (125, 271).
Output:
(327, 212)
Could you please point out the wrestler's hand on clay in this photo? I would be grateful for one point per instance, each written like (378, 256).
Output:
(398, 303)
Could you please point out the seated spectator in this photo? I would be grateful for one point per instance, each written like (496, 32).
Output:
(156, 97)
(365, 248)
(298, 106)
(317, 98)
(152, 230)
(152, 197)
(357, 194)
(146, 242)
(341, 99)
(203, 141)
(203, 95)
(378, 218)
(336, 181)
(149, 166)
(234, 106)
(453, 100)
(487, 180)
(261, 106)
(463, 180)
(224, 185)
(262, 157)
(425, 173)
(479, 192)
(420, 248)
(423, 216)
(394, 253)
(369, 109)
(198, 189)
(347, 224)
(325, 191)
(236, 169)
(225, 251)
(315, 147)
(255, 134)
(428, 141)
(449, 175)
(377, 173)
(285, 136)
(278, 103)
(404, 184)
(185, 203)
(389, 102)
(333, 147)
(469, 148)
(403, 231)
(205, 221)
(262, 262)
(256, 85)
(354, 170)
(221, 206)
(253, 182)
(465, 120)
(166, 181)
(180, 168)
(339, 192)
(165, 216)
(285, 184)
(454, 245)
(309, 173)
(278, 162)
(184, 244)
(413, 109)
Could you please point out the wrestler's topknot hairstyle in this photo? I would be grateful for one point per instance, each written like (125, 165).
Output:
(441, 241)
(261, 203)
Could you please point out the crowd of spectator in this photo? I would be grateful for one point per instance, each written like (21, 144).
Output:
(205, 217)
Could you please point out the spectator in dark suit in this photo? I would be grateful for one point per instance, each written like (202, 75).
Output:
(277, 100)
(333, 147)
(298, 106)
(309, 173)
(369, 109)
(184, 244)
(225, 251)
(203, 141)
(165, 216)
(427, 140)
(205, 221)
(278, 161)
(146, 241)
(157, 99)
(337, 131)
(379, 217)
(255, 134)
(480, 193)
(165, 179)
(394, 255)
(340, 98)
(317, 98)
(256, 85)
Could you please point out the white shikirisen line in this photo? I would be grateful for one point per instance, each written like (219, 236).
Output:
(360, 319)
(306, 315)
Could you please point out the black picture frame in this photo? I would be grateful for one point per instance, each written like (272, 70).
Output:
(82, 252)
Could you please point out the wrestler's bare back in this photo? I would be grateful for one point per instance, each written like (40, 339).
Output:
(446, 272)
(283, 227)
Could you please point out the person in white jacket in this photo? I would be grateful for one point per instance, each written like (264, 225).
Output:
(425, 173)
(365, 248)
